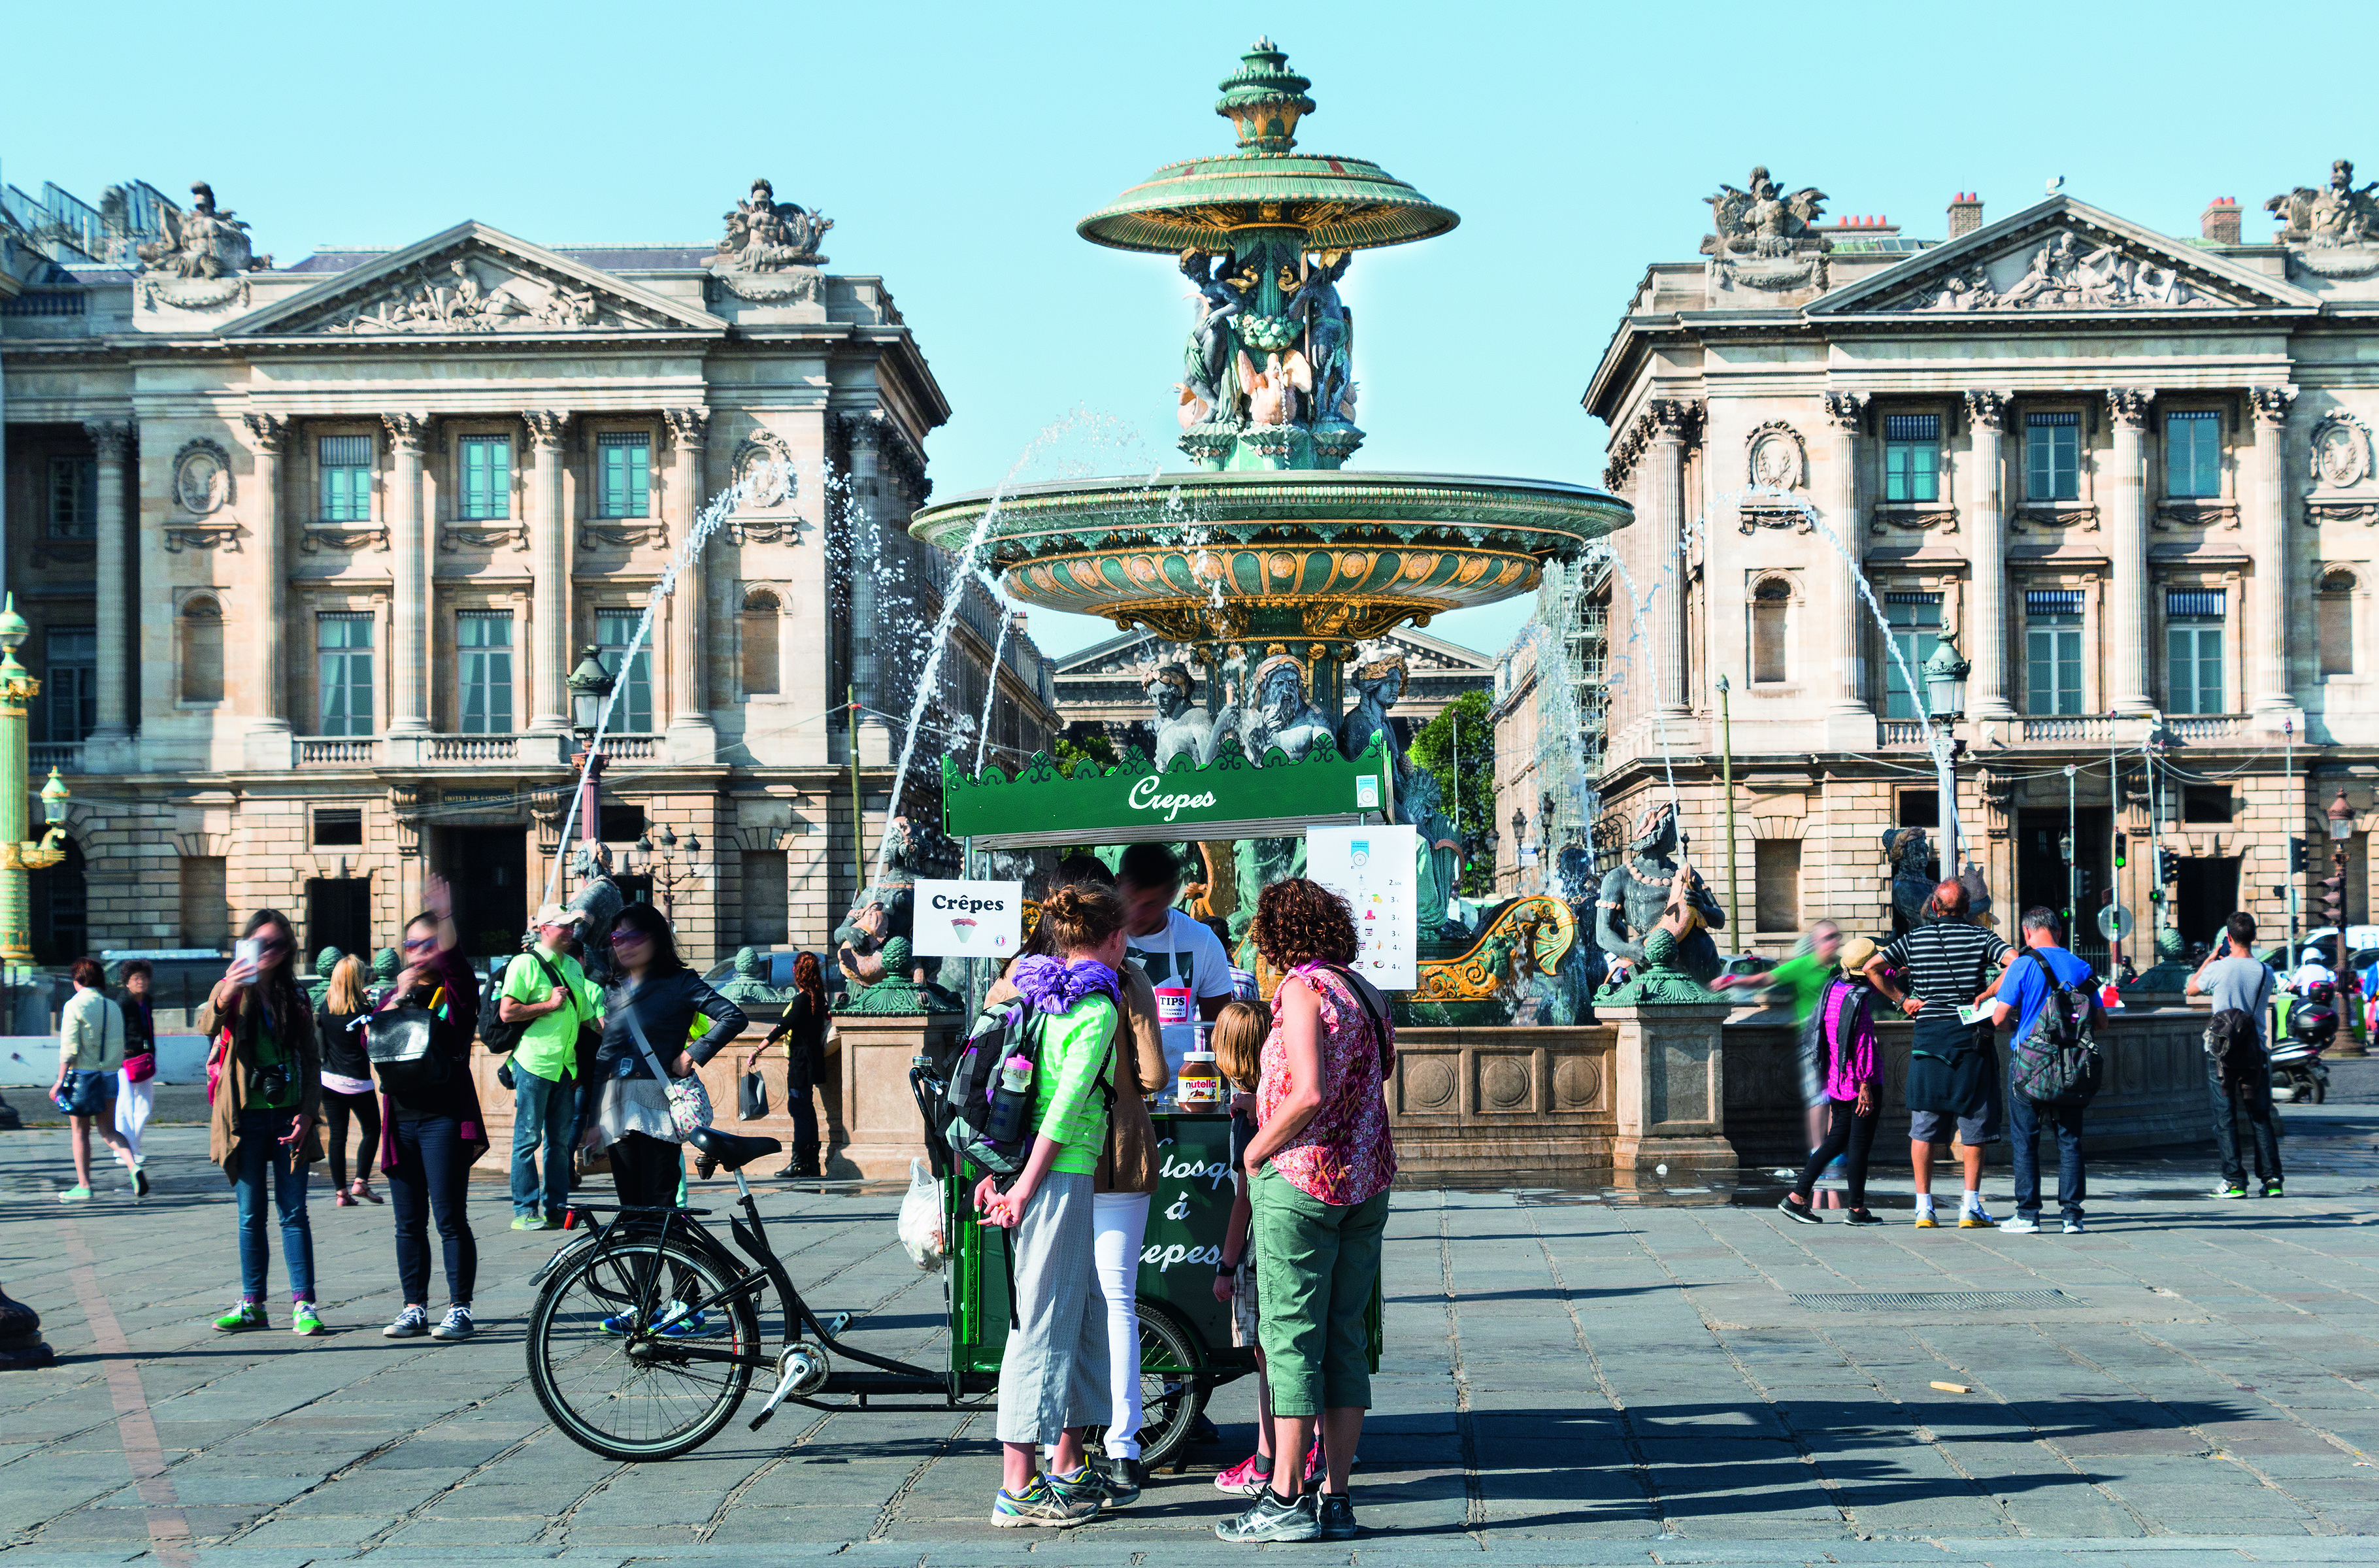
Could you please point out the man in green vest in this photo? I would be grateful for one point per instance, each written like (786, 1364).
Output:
(546, 990)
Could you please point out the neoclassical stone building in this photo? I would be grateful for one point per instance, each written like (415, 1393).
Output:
(2131, 475)
(309, 552)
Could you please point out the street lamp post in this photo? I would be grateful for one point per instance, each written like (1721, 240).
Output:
(18, 856)
(667, 874)
(590, 688)
(2333, 897)
(1726, 782)
(1519, 840)
(1945, 699)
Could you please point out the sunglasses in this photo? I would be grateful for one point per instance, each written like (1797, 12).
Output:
(628, 938)
(415, 944)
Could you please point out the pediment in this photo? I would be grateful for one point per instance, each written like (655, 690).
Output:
(1134, 654)
(471, 281)
(2062, 256)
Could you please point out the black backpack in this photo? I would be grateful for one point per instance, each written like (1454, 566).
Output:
(2234, 1046)
(2058, 1062)
(985, 1118)
(494, 1034)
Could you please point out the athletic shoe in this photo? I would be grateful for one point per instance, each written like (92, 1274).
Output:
(1976, 1219)
(694, 1325)
(411, 1323)
(1924, 1220)
(455, 1324)
(305, 1320)
(2272, 1190)
(1082, 1485)
(1337, 1514)
(75, 1195)
(2232, 1190)
(527, 1222)
(2020, 1225)
(2073, 1227)
(1861, 1217)
(247, 1315)
(1798, 1213)
(140, 1181)
(1038, 1505)
(1273, 1520)
(1243, 1479)
(1123, 1478)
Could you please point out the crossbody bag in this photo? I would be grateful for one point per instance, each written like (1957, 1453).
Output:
(689, 1102)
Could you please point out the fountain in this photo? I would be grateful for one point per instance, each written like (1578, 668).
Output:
(1271, 564)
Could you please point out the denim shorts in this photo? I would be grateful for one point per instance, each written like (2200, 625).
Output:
(86, 1093)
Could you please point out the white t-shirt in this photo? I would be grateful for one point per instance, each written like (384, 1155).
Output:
(1185, 956)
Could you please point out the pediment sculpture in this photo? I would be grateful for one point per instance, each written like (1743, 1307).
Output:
(770, 250)
(2345, 483)
(455, 295)
(2066, 272)
(2332, 231)
(1767, 236)
(202, 262)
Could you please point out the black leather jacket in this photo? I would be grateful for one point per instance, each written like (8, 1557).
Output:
(666, 1006)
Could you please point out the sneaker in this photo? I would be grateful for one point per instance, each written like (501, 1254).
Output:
(411, 1323)
(1336, 1516)
(247, 1315)
(455, 1324)
(1086, 1484)
(2020, 1226)
(1924, 1220)
(2272, 1190)
(1314, 1465)
(1861, 1217)
(75, 1195)
(1244, 1479)
(2073, 1227)
(2230, 1189)
(527, 1222)
(694, 1325)
(1799, 1213)
(1273, 1520)
(1976, 1219)
(344, 1201)
(304, 1320)
(1038, 1505)
(1123, 1478)
(141, 1182)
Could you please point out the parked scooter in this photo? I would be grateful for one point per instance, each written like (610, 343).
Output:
(2297, 1072)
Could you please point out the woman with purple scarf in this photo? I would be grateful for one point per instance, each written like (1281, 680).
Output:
(1053, 1375)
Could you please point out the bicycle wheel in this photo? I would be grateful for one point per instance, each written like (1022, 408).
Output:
(1171, 1396)
(631, 1397)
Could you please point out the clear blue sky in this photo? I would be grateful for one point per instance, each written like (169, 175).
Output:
(955, 146)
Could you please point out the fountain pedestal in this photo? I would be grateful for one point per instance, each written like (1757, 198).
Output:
(878, 1108)
(1669, 1072)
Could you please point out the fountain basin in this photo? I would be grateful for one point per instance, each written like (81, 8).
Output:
(1316, 553)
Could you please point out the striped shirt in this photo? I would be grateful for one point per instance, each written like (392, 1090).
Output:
(1948, 961)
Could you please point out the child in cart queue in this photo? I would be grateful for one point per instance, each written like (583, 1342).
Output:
(1238, 1046)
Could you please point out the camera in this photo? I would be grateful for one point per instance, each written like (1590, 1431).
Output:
(272, 1081)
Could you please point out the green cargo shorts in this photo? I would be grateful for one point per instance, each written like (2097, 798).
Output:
(1319, 1262)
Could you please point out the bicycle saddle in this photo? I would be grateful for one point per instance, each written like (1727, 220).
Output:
(728, 1150)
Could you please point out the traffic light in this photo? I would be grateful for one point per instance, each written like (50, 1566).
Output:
(2168, 866)
(2082, 885)
(2123, 846)
(2298, 863)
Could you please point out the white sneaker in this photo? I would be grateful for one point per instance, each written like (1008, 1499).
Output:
(2020, 1226)
(2073, 1227)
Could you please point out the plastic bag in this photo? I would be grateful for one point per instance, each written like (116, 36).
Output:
(920, 1219)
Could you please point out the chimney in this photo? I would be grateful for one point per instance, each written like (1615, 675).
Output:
(1965, 214)
(2220, 222)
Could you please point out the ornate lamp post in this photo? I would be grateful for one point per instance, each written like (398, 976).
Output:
(2333, 905)
(667, 874)
(590, 688)
(1945, 699)
(17, 856)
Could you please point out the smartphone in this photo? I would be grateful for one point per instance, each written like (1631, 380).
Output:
(248, 950)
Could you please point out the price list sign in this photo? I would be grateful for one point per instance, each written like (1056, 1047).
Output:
(1375, 870)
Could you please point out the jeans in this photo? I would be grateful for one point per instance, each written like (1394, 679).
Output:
(543, 1112)
(1319, 1263)
(432, 1172)
(1119, 1224)
(2026, 1116)
(1845, 1131)
(260, 1148)
(2255, 1096)
(646, 1171)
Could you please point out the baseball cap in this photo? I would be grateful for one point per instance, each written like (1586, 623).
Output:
(556, 914)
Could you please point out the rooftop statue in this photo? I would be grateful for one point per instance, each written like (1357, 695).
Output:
(2338, 215)
(768, 236)
(201, 243)
(1764, 221)
(1639, 889)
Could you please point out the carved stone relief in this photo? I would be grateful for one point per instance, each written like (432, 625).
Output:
(625, 534)
(1776, 461)
(203, 483)
(455, 295)
(2067, 271)
(217, 536)
(2345, 485)
(319, 537)
(764, 466)
(458, 536)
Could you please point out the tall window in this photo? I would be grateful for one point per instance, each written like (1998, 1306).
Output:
(1915, 627)
(2192, 452)
(1772, 605)
(487, 477)
(760, 643)
(70, 682)
(202, 651)
(346, 466)
(2334, 622)
(1776, 864)
(632, 713)
(483, 640)
(74, 497)
(1912, 457)
(2192, 650)
(343, 654)
(625, 466)
(2052, 456)
(2052, 646)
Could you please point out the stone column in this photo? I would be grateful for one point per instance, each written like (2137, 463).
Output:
(2127, 547)
(548, 535)
(267, 743)
(113, 440)
(691, 737)
(1664, 492)
(408, 703)
(1845, 641)
(2268, 542)
(1986, 518)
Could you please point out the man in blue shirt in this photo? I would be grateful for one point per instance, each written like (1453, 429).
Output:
(2024, 995)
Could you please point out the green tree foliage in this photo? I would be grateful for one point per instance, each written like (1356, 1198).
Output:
(1094, 747)
(1469, 777)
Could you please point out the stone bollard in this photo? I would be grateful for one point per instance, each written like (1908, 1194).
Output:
(879, 1110)
(1669, 1076)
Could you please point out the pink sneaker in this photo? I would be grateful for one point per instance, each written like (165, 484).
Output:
(1243, 1479)
(1314, 1464)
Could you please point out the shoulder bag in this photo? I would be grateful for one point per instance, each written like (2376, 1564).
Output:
(689, 1102)
(403, 1048)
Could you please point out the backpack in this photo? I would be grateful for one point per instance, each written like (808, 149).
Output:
(494, 1034)
(2234, 1047)
(987, 1109)
(2058, 1062)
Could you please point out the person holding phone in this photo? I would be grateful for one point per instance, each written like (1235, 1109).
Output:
(267, 1114)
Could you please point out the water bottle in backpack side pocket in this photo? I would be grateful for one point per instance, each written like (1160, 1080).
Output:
(1012, 1101)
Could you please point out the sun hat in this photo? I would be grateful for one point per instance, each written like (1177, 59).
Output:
(1856, 951)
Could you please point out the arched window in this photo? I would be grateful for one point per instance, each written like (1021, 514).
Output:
(203, 650)
(2334, 622)
(1771, 603)
(760, 614)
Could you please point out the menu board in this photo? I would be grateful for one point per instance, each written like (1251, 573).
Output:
(1375, 869)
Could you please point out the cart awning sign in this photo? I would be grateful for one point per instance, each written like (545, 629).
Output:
(1228, 798)
(967, 920)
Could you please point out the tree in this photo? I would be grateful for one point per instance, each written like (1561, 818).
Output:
(1093, 746)
(1465, 774)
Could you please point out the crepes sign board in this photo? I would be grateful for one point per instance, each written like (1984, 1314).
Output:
(967, 920)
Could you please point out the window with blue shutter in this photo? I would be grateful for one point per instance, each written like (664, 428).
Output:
(2052, 646)
(2192, 453)
(1912, 457)
(2052, 456)
(346, 468)
(483, 641)
(487, 478)
(2193, 623)
(623, 477)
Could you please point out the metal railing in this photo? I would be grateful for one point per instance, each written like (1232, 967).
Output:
(337, 751)
(2084, 728)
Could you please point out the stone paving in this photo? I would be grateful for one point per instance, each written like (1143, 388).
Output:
(1571, 1377)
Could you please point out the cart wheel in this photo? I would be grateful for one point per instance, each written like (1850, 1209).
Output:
(1172, 1395)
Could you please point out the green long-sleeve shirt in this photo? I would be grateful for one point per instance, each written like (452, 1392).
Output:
(1067, 1107)
(1807, 978)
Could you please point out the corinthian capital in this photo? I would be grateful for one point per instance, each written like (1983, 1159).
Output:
(1987, 410)
(1846, 409)
(1675, 419)
(2272, 403)
(408, 432)
(2130, 405)
(547, 427)
(688, 426)
(266, 432)
(111, 437)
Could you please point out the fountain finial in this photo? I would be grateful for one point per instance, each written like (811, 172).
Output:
(1263, 98)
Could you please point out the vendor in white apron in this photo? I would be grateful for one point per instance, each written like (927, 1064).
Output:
(1184, 958)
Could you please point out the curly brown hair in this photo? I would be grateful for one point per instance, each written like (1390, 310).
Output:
(1298, 921)
(1080, 916)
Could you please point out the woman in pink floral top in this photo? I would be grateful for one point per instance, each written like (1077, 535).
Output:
(1318, 1174)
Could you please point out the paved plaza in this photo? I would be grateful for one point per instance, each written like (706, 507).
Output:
(1572, 1377)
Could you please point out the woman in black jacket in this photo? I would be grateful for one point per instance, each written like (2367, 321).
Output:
(803, 1030)
(648, 1022)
